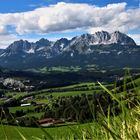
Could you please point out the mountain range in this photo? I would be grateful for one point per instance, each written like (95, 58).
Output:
(102, 48)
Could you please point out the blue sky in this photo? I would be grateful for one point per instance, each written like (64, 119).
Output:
(40, 19)
(27, 5)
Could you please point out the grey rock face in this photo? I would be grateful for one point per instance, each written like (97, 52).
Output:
(24, 54)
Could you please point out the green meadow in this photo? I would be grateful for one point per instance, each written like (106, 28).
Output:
(124, 126)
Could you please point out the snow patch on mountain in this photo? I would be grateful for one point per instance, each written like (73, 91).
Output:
(84, 44)
(30, 51)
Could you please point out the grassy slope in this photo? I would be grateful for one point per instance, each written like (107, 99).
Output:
(58, 132)
(24, 108)
(125, 126)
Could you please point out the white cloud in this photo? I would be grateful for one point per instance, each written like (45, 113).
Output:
(3, 30)
(136, 37)
(6, 39)
(66, 16)
(70, 16)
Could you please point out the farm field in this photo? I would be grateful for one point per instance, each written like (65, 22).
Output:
(24, 108)
(42, 97)
(110, 127)
(54, 100)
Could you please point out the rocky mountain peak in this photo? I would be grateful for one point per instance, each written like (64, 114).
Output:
(43, 42)
(98, 44)
(60, 45)
(101, 34)
(19, 46)
(121, 38)
(101, 37)
(105, 38)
